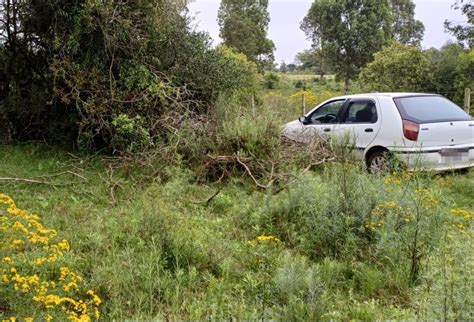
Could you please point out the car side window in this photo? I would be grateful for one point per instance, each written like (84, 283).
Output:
(361, 112)
(328, 113)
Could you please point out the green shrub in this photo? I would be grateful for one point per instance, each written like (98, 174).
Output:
(138, 59)
(299, 288)
(271, 81)
(257, 137)
(446, 292)
(130, 135)
(322, 215)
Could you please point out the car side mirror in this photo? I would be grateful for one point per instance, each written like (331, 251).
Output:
(302, 119)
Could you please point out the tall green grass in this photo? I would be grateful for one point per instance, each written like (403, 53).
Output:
(160, 248)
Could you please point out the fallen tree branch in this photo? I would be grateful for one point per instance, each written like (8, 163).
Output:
(251, 175)
(33, 181)
(208, 200)
(63, 173)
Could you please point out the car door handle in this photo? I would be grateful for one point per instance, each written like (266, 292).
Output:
(327, 130)
(369, 130)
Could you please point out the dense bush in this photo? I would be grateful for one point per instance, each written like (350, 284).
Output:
(99, 61)
(452, 71)
(398, 68)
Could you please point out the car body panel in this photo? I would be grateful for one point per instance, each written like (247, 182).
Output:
(446, 133)
(440, 146)
(362, 134)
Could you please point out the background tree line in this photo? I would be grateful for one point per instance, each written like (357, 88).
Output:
(119, 75)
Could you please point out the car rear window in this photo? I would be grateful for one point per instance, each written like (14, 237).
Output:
(430, 109)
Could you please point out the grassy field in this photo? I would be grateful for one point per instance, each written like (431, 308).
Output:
(304, 77)
(152, 243)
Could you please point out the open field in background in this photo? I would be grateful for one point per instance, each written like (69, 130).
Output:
(153, 243)
(304, 77)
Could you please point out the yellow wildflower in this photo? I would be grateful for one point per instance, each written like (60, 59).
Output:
(269, 238)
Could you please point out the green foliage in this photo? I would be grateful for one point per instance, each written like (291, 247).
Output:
(271, 80)
(254, 135)
(237, 73)
(320, 220)
(465, 75)
(405, 28)
(99, 60)
(153, 247)
(446, 292)
(348, 49)
(464, 32)
(130, 136)
(243, 26)
(398, 68)
(445, 63)
(348, 44)
(314, 60)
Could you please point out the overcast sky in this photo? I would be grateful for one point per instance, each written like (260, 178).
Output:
(286, 16)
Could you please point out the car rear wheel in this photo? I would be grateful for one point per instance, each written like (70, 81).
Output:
(380, 162)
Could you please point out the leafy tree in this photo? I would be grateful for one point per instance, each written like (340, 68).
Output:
(463, 32)
(291, 67)
(283, 67)
(398, 68)
(243, 26)
(313, 59)
(348, 33)
(464, 75)
(445, 63)
(405, 28)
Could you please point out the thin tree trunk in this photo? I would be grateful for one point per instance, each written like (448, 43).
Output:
(347, 85)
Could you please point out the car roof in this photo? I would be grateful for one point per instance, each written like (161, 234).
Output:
(392, 95)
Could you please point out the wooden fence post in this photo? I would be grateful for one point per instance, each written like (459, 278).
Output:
(253, 106)
(467, 100)
(303, 101)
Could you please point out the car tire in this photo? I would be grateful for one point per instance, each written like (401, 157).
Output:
(380, 162)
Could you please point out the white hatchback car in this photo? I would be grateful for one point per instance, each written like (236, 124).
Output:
(423, 131)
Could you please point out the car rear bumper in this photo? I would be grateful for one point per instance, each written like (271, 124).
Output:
(437, 158)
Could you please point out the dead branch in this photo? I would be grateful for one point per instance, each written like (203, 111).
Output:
(208, 200)
(251, 175)
(63, 173)
(33, 181)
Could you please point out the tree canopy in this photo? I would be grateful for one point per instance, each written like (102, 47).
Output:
(405, 28)
(314, 60)
(398, 68)
(243, 26)
(464, 32)
(350, 32)
(445, 62)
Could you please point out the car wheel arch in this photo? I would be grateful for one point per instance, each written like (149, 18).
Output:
(370, 152)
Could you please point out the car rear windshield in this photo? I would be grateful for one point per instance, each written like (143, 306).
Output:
(430, 109)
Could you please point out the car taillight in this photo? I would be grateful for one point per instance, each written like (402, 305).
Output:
(411, 130)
